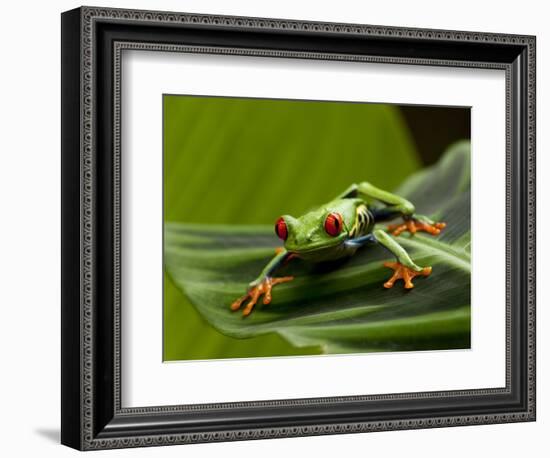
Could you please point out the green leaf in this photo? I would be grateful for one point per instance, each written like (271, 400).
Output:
(341, 308)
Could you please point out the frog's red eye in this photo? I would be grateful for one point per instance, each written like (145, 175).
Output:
(333, 224)
(281, 229)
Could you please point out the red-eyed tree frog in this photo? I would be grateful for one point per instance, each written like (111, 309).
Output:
(337, 230)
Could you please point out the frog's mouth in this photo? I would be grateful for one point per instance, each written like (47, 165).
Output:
(315, 248)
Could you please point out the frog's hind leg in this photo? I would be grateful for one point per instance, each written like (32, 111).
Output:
(394, 205)
(404, 269)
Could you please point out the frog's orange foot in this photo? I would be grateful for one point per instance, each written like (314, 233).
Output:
(401, 272)
(254, 293)
(413, 226)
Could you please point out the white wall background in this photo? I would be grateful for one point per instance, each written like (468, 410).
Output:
(30, 228)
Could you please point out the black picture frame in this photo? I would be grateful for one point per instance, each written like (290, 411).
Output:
(92, 40)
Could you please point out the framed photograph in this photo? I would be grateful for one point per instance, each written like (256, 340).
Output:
(276, 228)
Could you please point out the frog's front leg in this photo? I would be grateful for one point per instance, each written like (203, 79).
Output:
(404, 269)
(264, 283)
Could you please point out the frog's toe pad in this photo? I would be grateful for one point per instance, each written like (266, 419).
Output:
(401, 272)
(413, 226)
(254, 293)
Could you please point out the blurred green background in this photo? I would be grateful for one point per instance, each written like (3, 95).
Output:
(247, 161)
